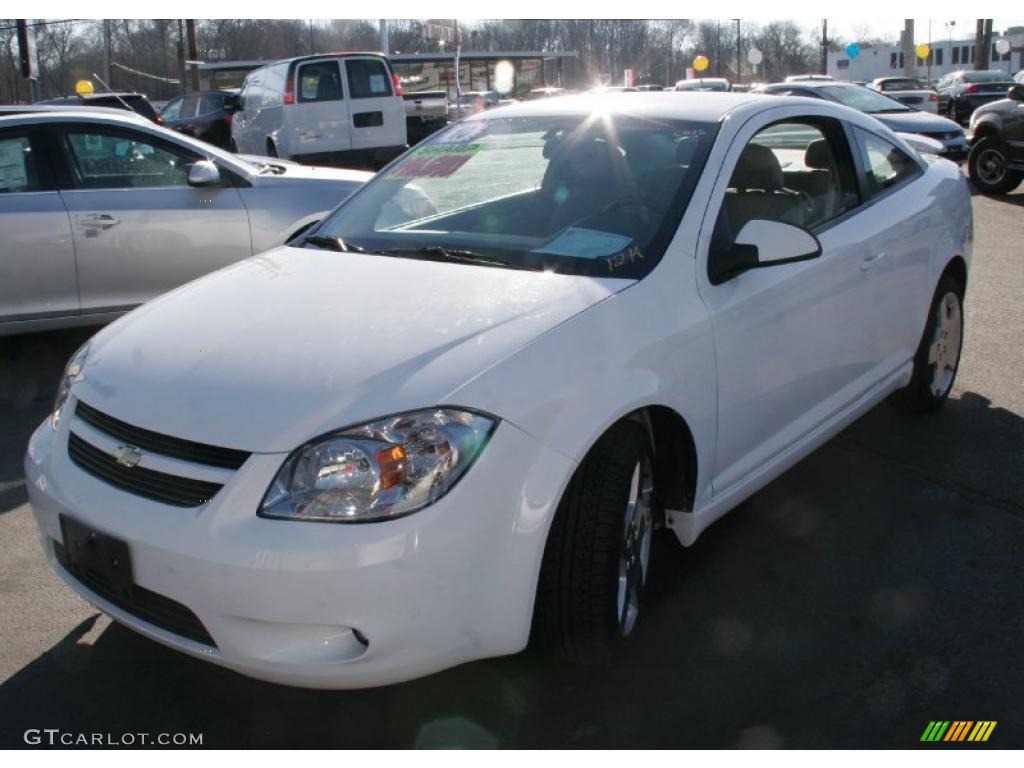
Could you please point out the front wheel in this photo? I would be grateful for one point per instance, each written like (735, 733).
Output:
(986, 165)
(598, 553)
(938, 355)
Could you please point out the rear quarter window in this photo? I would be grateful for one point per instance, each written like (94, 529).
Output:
(368, 78)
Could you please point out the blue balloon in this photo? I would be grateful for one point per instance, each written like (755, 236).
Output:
(853, 50)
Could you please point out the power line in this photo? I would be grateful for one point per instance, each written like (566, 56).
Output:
(44, 23)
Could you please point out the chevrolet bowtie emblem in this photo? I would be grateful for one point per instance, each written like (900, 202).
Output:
(127, 455)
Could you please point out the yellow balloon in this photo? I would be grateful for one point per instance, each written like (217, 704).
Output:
(701, 63)
(83, 88)
(922, 50)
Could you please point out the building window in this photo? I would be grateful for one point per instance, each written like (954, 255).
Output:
(938, 57)
(892, 60)
(956, 54)
(901, 61)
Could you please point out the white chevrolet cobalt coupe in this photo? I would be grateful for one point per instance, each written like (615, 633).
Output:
(452, 415)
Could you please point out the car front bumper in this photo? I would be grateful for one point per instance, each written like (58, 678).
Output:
(324, 605)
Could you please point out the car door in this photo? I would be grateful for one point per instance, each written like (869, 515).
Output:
(903, 227)
(321, 121)
(139, 228)
(377, 114)
(796, 342)
(37, 256)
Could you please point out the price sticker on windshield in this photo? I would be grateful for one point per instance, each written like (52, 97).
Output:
(434, 161)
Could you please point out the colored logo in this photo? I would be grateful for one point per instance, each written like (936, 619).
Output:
(958, 730)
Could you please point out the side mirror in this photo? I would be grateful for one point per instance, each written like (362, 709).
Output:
(203, 174)
(1015, 92)
(763, 243)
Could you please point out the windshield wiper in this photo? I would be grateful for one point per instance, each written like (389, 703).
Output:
(440, 253)
(332, 243)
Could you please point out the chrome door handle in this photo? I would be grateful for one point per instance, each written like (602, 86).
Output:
(872, 261)
(98, 221)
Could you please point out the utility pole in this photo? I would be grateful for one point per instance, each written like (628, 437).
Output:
(106, 49)
(982, 43)
(384, 43)
(824, 46)
(718, 47)
(739, 75)
(181, 56)
(909, 55)
(458, 65)
(193, 53)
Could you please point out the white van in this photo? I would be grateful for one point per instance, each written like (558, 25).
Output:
(339, 108)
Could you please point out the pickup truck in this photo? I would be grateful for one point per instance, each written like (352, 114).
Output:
(425, 113)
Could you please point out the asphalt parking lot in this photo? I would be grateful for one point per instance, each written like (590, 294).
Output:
(876, 586)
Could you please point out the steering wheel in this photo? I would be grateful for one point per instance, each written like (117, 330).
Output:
(632, 201)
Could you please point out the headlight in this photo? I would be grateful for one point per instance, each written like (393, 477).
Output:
(72, 373)
(378, 471)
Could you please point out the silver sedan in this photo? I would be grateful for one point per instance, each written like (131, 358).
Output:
(102, 211)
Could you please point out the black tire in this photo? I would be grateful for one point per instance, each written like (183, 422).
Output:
(925, 393)
(578, 614)
(986, 165)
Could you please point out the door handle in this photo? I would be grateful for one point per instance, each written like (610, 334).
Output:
(872, 261)
(98, 221)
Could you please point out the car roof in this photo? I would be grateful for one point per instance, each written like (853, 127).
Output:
(72, 110)
(700, 106)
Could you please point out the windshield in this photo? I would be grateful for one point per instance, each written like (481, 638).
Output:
(905, 84)
(986, 77)
(864, 99)
(592, 195)
(702, 85)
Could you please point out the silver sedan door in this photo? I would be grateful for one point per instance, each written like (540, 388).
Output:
(140, 229)
(37, 257)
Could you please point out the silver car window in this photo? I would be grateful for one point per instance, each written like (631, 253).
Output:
(103, 160)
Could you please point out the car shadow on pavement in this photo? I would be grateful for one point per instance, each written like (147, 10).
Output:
(30, 365)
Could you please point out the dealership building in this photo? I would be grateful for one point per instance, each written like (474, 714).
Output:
(945, 56)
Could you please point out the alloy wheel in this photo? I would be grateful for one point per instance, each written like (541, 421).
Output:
(635, 556)
(991, 166)
(944, 352)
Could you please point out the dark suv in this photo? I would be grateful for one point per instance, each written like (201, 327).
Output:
(996, 160)
(205, 115)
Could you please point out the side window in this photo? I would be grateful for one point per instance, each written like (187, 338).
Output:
(172, 110)
(795, 172)
(19, 171)
(367, 78)
(124, 159)
(189, 104)
(211, 102)
(319, 81)
(885, 164)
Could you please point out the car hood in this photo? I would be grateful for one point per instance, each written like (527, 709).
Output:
(274, 350)
(294, 170)
(917, 122)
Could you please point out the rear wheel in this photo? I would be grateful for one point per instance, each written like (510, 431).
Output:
(986, 165)
(598, 553)
(938, 355)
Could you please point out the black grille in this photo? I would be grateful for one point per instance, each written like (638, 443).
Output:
(149, 606)
(159, 486)
(213, 455)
